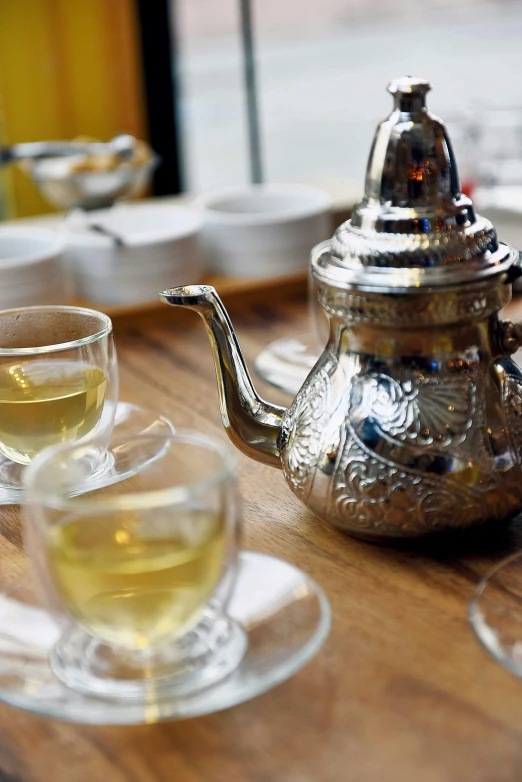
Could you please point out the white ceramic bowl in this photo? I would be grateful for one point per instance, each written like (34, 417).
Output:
(160, 250)
(263, 230)
(31, 267)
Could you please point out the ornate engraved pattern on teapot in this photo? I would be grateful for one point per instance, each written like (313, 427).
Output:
(302, 432)
(412, 454)
(480, 301)
(511, 385)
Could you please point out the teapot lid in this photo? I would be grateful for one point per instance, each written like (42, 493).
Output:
(414, 229)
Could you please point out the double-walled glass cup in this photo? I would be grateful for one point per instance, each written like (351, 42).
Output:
(141, 570)
(58, 379)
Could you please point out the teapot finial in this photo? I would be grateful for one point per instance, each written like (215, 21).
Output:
(412, 165)
(409, 93)
(414, 229)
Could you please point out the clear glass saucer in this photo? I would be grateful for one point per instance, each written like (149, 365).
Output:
(128, 418)
(282, 614)
(286, 363)
(495, 613)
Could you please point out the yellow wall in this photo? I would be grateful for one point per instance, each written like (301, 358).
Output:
(67, 68)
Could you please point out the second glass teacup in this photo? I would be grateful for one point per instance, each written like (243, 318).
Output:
(141, 569)
(58, 383)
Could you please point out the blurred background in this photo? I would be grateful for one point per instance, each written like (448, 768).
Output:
(173, 72)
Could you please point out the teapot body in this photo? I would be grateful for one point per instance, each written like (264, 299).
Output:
(411, 421)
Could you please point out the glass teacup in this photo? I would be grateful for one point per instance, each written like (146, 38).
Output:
(142, 569)
(58, 379)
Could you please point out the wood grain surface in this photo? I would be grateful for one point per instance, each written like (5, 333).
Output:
(401, 692)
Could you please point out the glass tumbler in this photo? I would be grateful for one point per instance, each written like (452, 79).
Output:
(140, 570)
(58, 380)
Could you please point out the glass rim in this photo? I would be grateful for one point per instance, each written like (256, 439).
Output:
(59, 346)
(133, 500)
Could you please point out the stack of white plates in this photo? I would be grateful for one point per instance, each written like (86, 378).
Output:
(31, 267)
(127, 254)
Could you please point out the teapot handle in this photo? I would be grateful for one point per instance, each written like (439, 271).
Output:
(510, 336)
(515, 270)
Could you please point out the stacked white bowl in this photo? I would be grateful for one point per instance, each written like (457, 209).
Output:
(31, 267)
(127, 254)
(263, 230)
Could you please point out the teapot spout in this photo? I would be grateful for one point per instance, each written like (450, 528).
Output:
(252, 424)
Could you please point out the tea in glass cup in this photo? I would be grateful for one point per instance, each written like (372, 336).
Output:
(136, 578)
(141, 568)
(57, 371)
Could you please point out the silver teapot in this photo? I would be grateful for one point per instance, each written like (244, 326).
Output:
(411, 420)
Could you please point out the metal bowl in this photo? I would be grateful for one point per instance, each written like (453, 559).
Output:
(66, 188)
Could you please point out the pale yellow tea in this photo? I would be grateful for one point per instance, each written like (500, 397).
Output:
(47, 402)
(135, 579)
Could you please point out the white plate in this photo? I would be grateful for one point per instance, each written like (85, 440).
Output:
(160, 249)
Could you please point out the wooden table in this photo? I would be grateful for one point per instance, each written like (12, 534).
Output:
(401, 692)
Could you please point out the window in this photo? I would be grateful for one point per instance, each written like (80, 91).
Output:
(322, 68)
